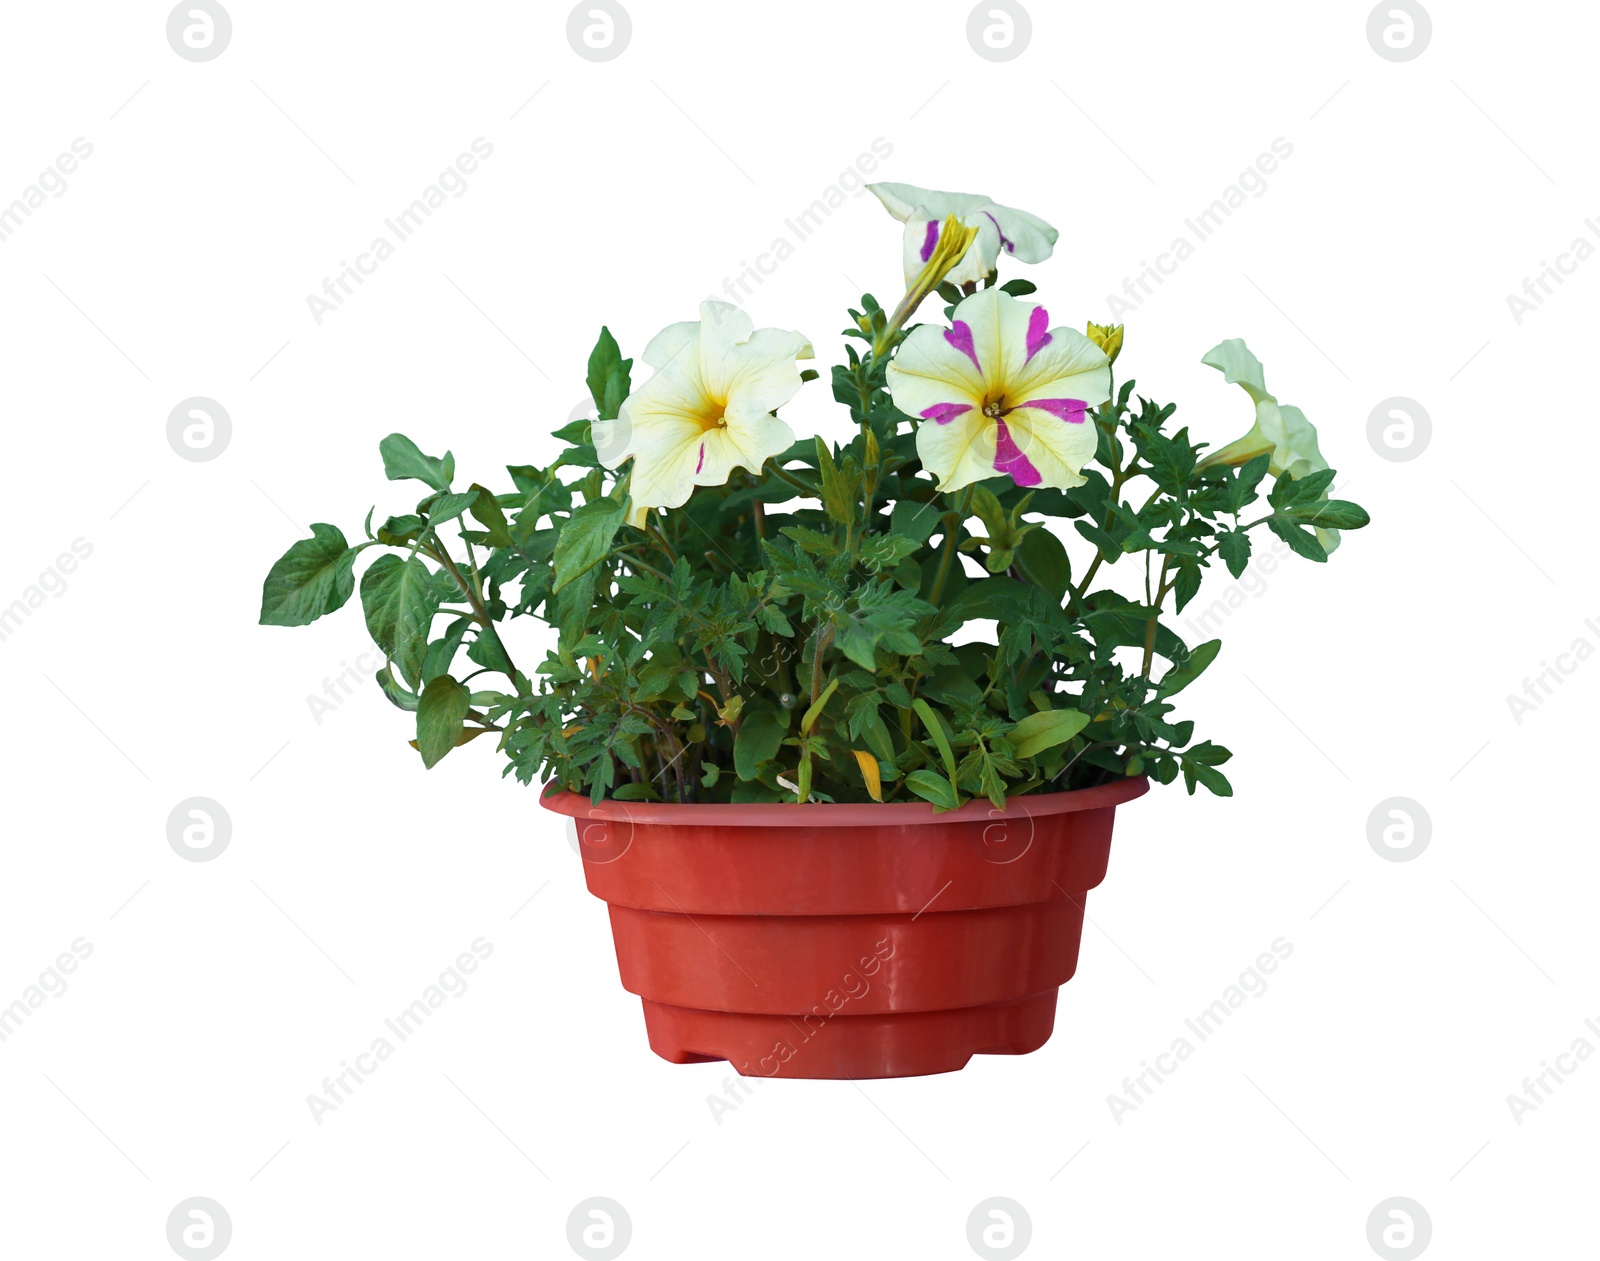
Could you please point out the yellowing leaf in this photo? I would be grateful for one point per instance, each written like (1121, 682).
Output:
(869, 773)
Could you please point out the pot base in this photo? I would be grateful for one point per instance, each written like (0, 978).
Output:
(890, 1044)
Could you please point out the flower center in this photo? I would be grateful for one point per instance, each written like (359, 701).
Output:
(714, 415)
(995, 408)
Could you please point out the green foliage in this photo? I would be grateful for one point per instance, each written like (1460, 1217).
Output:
(314, 577)
(787, 634)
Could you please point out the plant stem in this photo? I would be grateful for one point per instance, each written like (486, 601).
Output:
(654, 530)
(947, 557)
(1162, 587)
(783, 475)
(824, 638)
(440, 554)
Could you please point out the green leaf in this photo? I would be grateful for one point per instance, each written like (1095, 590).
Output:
(815, 712)
(487, 512)
(1199, 765)
(1179, 677)
(400, 598)
(914, 521)
(486, 650)
(585, 540)
(1242, 489)
(1042, 560)
(399, 531)
(609, 376)
(441, 713)
(402, 459)
(759, 739)
(881, 616)
(1186, 582)
(1333, 514)
(397, 694)
(1038, 732)
(313, 578)
(1234, 548)
(882, 552)
(442, 509)
(442, 651)
(1018, 288)
(931, 786)
(838, 495)
(1303, 541)
(930, 720)
(867, 726)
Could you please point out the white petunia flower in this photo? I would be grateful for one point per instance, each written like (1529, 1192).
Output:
(1280, 431)
(707, 410)
(1000, 229)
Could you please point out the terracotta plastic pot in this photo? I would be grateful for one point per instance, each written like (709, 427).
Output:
(847, 940)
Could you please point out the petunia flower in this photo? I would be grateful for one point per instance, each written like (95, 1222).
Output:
(1000, 391)
(1281, 432)
(1000, 229)
(707, 410)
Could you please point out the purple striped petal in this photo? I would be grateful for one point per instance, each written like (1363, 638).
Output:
(1038, 331)
(1067, 409)
(702, 462)
(944, 413)
(1008, 458)
(1010, 247)
(959, 335)
(930, 238)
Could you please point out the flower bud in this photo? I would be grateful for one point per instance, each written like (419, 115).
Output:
(1108, 337)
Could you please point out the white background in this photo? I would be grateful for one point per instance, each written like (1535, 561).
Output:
(1376, 263)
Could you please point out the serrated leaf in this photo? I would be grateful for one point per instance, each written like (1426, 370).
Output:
(1234, 548)
(838, 495)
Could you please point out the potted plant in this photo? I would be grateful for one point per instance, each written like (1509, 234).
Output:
(841, 727)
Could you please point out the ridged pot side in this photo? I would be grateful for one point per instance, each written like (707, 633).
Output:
(847, 941)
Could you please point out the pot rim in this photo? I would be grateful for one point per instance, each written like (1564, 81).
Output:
(842, 814)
